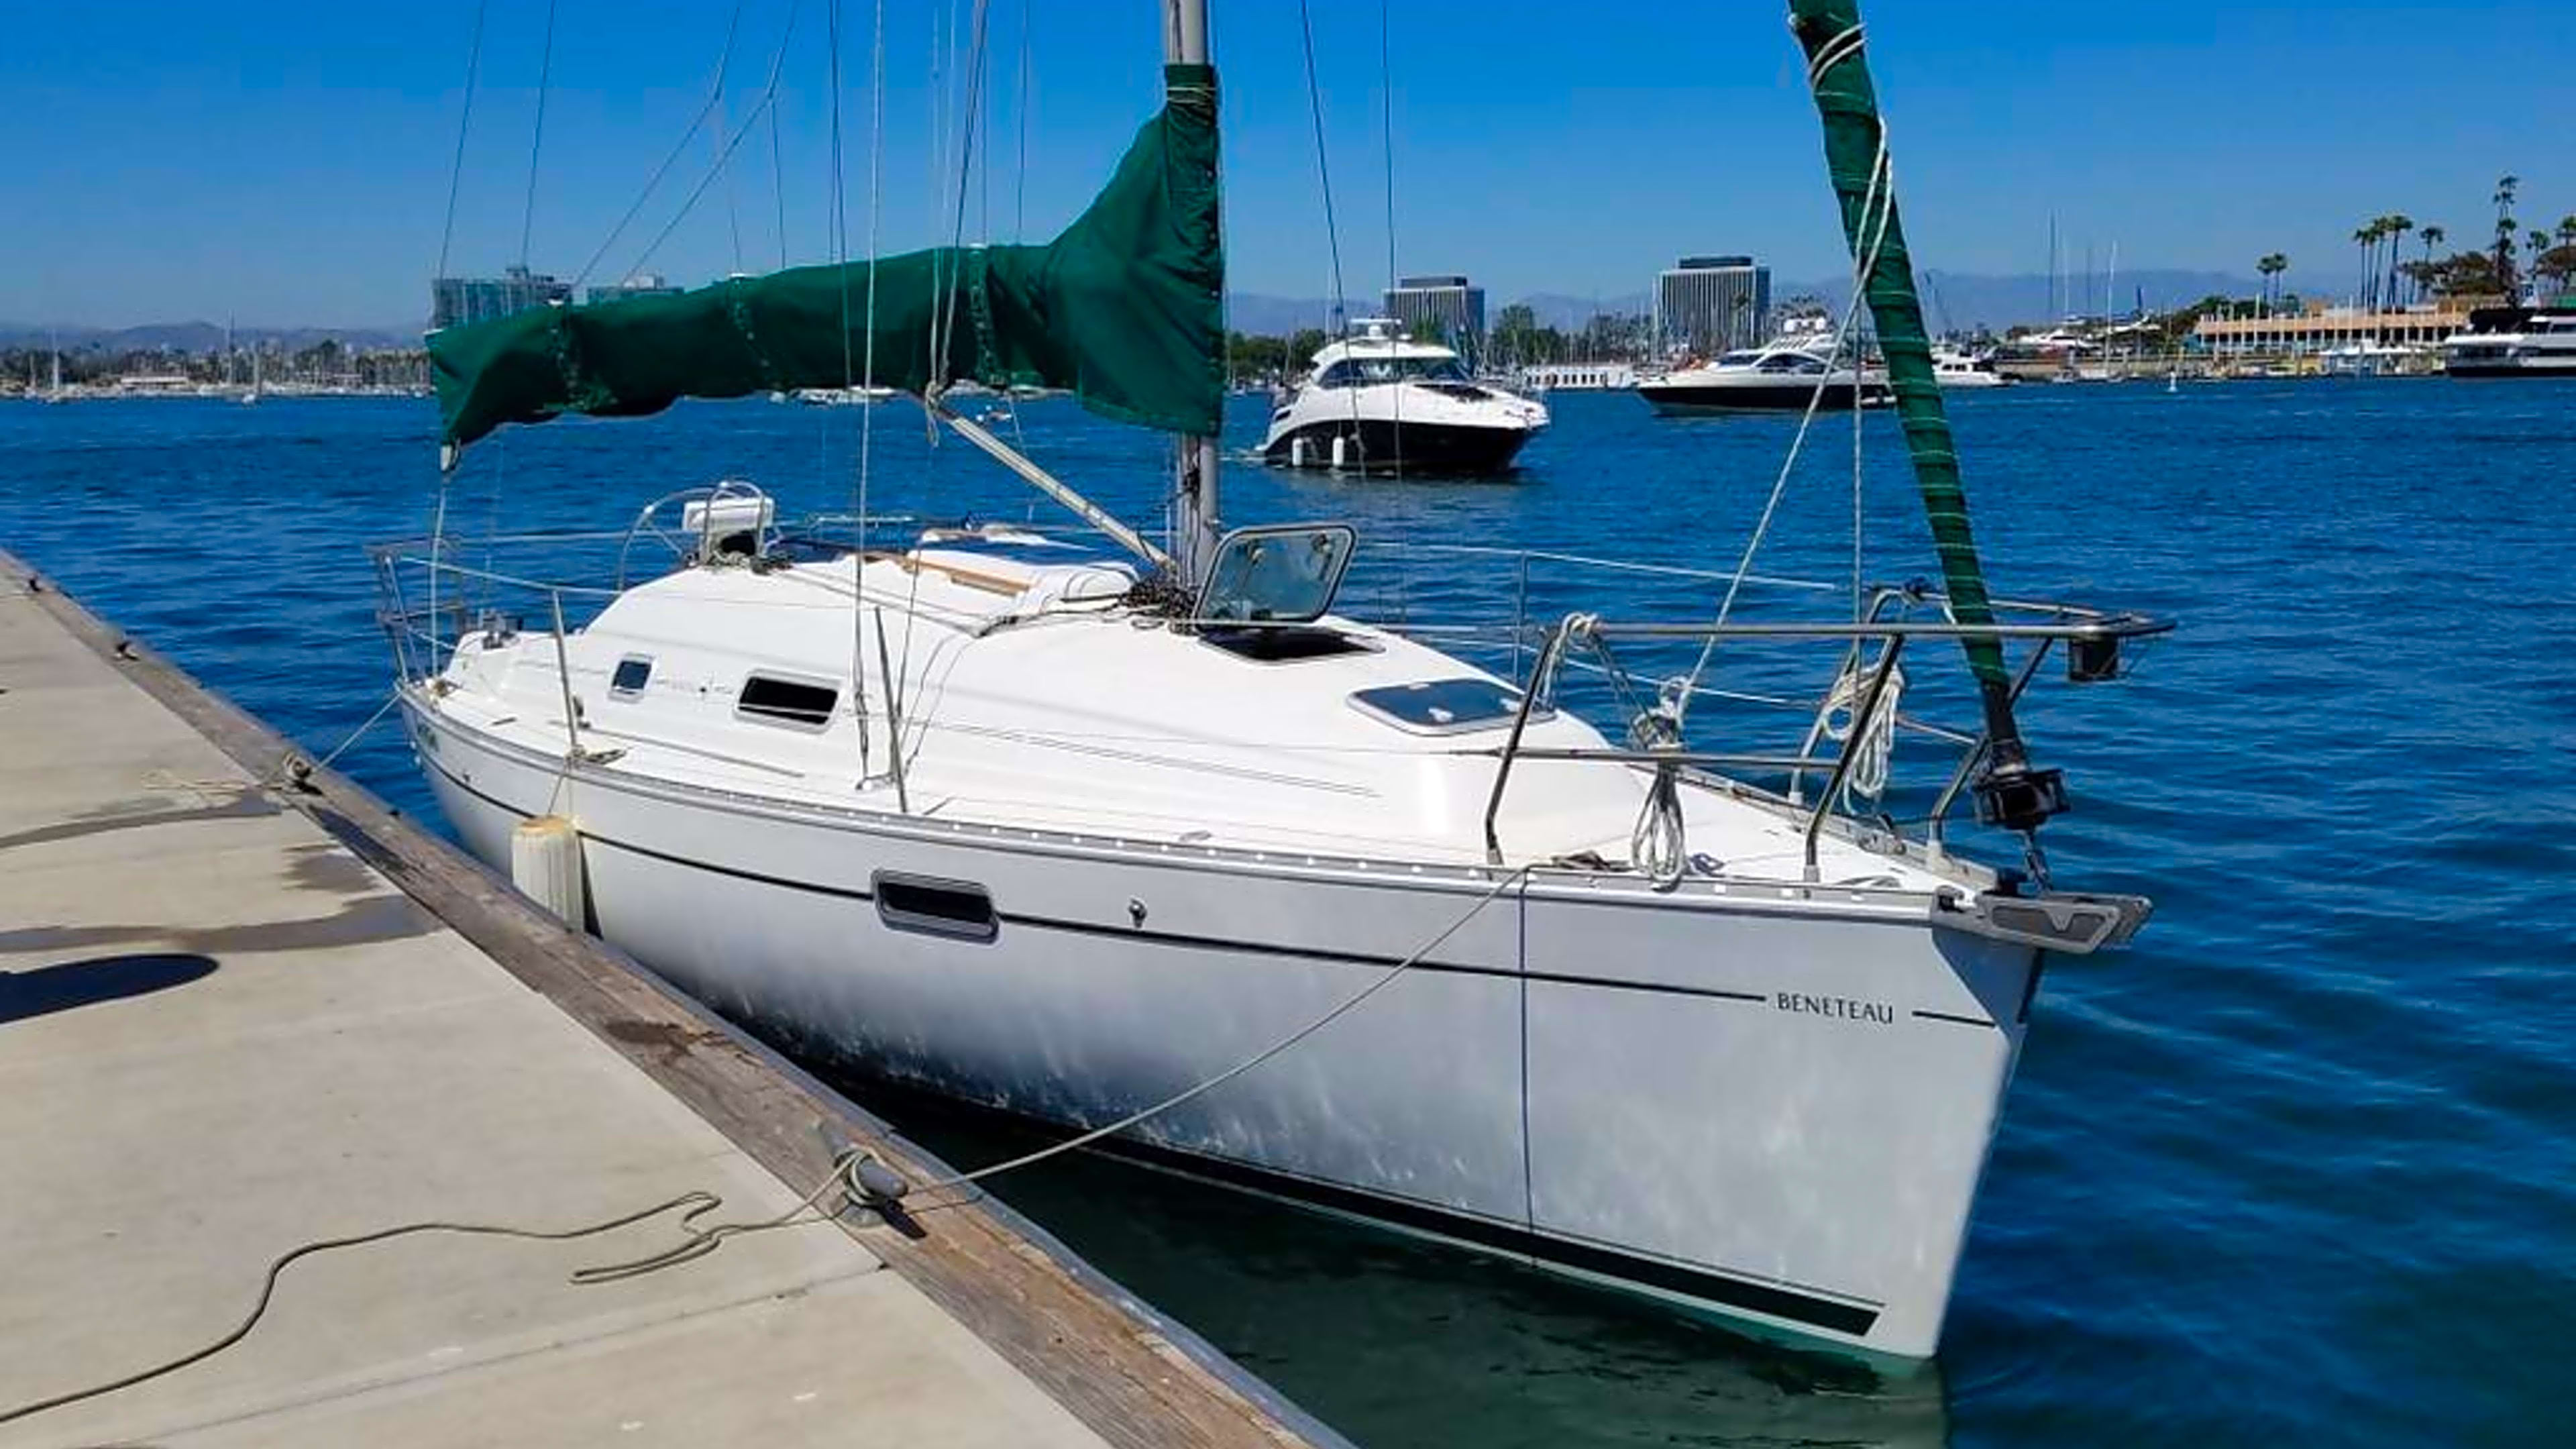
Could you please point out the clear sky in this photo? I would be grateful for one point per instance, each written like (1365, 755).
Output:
(290, 162)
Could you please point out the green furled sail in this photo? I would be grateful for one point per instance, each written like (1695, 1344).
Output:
(1829, 32)
(1125, 309)
(2011, 794)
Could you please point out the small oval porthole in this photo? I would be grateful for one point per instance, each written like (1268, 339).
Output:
(930, 906)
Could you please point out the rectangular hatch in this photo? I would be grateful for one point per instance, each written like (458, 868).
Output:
(1444, 706)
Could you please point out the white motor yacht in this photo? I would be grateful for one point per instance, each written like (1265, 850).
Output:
(1953, 368)
(1381, 401)
(1788, 375)
(2514, 342)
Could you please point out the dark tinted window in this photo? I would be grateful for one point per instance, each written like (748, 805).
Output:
(629, 680)
(787, 701)
(936, 907)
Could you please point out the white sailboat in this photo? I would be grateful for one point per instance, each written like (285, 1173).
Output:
(1301, 901)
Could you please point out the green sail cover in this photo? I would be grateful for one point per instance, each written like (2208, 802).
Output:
(1124, 309)
(1830, 30)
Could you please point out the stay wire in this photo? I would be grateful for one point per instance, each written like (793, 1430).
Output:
(537, 134)
(680, 148)
(464, 125)
(733, 208)
(768, 100)
(1323, 165)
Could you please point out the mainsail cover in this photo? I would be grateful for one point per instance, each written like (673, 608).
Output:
(1830, 34)
(1125, 309)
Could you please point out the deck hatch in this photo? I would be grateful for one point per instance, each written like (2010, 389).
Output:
(633, 673)
(775, 700)
(1444, 706)
(935, 907)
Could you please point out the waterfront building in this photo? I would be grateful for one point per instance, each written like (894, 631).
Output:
(642, 284)
(1446, 307)
(454, 300)
(2320, 328)
(1709, 305)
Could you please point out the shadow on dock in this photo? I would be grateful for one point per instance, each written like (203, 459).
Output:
(71, 985)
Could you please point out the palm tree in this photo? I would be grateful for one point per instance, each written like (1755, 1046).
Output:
(2365, 237)
(2433, 236)
(2271, 265)
(2506, 186)
(2399, 223)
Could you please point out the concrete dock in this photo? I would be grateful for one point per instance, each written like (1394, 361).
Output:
(236, 1018)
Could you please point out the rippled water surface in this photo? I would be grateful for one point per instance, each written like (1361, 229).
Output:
(2298, 1167)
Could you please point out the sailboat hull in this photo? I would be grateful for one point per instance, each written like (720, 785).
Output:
(1770, 1111)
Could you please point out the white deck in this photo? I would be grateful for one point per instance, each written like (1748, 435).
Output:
(1031, 702)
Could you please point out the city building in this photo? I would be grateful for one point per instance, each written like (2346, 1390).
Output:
(1708, 305)
(642, 284)
(1445, 307)
(2320, 327)
(453, 300)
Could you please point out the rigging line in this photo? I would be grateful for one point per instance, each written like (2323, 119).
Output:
(733, 211)
(1020, 173)
(680, 148)
(1518, 875)
(768, 99)
(464, 123)
(1386, 137)
(974, 100)
(1323, 166)
(868, 379)
(778, 186)
(537, 136)
(1879, 201)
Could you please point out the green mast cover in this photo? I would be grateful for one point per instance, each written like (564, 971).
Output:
(1125, 309)
(1829, 32)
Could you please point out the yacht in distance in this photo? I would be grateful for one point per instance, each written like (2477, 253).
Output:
(1786, 375)
(1383, 402)
(1953, 368)
(2514, 342)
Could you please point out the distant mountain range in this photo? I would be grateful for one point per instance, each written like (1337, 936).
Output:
(199, 337)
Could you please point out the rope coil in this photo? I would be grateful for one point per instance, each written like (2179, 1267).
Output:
(1871, 758)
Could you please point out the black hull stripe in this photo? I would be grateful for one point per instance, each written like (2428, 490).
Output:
(1137, 933)
(1669, 1277)
(1945, 1016)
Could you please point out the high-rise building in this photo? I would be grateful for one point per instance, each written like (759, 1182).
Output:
(1708, 305)
(642, 284)
(454, 300)
(1444, 307)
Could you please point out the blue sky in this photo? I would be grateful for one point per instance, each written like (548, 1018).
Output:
(289, 162)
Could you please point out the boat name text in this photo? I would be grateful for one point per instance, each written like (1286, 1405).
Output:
(1842, 1007)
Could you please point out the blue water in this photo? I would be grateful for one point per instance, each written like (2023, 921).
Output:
(2298, 1167)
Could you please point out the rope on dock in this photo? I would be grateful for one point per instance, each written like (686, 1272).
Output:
(697, 1202)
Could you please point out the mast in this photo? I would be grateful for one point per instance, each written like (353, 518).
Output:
(1194, 483)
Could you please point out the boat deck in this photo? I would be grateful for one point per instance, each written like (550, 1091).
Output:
(225, 1032)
